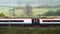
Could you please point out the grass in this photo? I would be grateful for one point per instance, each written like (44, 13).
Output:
(6, 12)
(30, 31)
(20, 12)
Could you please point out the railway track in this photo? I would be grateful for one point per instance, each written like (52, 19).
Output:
(17, 26)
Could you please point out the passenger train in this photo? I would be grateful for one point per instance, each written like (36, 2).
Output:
(30, 21)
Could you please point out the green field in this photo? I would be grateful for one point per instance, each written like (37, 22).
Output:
(29, 31)
(20, 12)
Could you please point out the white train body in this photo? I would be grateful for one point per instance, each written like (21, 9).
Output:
(30, 21)
(49, 21)
(16, 21)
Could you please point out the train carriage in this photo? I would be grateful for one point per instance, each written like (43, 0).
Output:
(46, 22)
(17, 21)
(49, 22)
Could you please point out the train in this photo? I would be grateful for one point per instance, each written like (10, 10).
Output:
(32, 22)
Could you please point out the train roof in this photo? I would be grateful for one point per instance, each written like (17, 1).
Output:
(58, 17)
(15, 18)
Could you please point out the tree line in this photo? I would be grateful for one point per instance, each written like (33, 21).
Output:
(52, 13)
(48, 6)
(49, 13)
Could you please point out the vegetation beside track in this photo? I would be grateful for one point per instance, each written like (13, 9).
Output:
(29, 30)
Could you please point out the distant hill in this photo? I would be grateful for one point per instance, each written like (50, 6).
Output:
(48, 6)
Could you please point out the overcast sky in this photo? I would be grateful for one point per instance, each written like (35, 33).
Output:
(30, 1)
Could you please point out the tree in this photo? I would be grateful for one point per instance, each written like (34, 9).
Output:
(57, 13)
(2, 15)
(13, 12)
(49, 13)
(28, 10)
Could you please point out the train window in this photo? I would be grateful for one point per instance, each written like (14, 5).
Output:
(17, 20)
(51, 20)
(4, 20)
